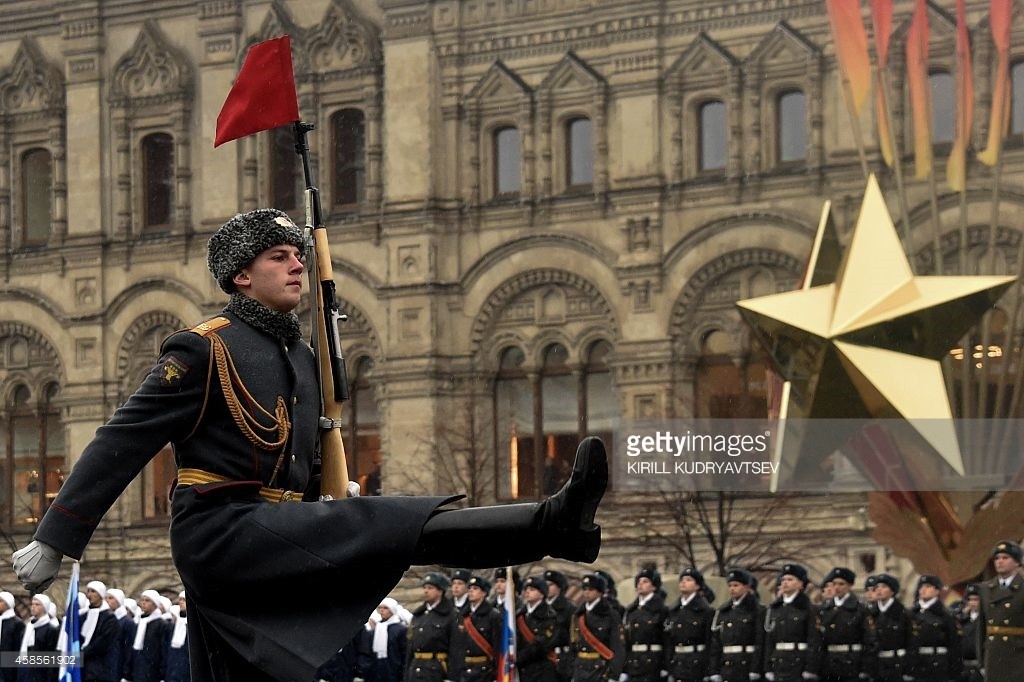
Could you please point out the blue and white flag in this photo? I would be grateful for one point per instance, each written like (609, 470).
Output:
(507, 657)
(70, 644)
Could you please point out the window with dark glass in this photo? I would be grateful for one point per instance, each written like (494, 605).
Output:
(943, 91)
(792, 127)
(513, 426)
(348, 129)
(158, 180)
(713, 149)
(559, 400)
(1017, 101)
(34, 440)
(580, 152)
(36, 189)
(363, 446)
(285, 173)
(507, 165)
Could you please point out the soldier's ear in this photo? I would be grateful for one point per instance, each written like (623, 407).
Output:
(241, 279)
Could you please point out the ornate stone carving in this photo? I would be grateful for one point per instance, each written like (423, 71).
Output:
(152, 70)
(32, 84)
(343, 39)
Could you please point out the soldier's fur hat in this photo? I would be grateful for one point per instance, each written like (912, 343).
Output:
(1011, 548)
(478, 581)
(558, 578)
(795, 570)
(650, 573)
(461, 574)
(594, 582)
(538, 582)
(933, 580)
(438, 580)
(692, 573)
(738, 575)
(890, 581)
(842, 573)
(245, 236)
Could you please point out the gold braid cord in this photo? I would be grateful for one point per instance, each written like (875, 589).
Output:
(246, 421)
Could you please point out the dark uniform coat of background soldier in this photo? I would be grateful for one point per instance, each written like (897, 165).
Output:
(563, 608)
(935, 645)
(893, 631)
(596, 635)
(476, 641)
(688, 630)
(430, 633)
(1003, 612)
(237, 396)
(847, 632)
(537, 634)
(792, 641)
(737, 632)
(12, 629)
(644, 629)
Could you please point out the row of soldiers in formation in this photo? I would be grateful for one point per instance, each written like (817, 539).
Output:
(122, 639)
(843, 639)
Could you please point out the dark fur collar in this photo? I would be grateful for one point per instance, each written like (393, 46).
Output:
(279, 325)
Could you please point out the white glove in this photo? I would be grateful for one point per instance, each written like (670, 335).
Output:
(754, 677)
(908, 678)
(664, 674)
(808, 676)
(863, 676)
(715, 678)
(36, 565)
(623, 677)
(353, 489)
(770, 677)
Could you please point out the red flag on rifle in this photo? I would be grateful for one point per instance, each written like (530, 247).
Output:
(263, 96)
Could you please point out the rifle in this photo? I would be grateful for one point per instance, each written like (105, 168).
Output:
(326, 344)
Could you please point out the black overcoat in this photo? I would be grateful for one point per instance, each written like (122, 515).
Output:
(12, 629)
(101, 658)
(688, 639)
(230, 546)
(535, 651)
(644, 635)
(792, 641)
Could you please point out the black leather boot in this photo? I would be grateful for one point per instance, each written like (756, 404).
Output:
(561, 526)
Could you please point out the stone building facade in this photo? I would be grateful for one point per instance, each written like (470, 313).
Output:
(541, 213)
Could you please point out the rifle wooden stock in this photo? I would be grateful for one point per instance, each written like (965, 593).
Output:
(333, 464)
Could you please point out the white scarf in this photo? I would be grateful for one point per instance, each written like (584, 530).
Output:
(884, 606)
(121, 612)
(380, 636)
(28, 640)
(180, 630)
(140, 633)
(89, 626)
(9, 613)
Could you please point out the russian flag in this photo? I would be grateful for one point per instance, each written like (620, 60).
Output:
(70, 643)
(507, 658)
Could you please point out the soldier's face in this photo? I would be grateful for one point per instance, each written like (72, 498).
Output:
(737, 589)
(789, 585)
(384, 612)
(926, 592)
(883, 593)
(644, 587)
(840, 587)
(94, 597)
(431, 594)
(37, 609)
(687, 585)
(1004, 564)
(147, 605)
(458, 588)
(553, 590)
(476, 595)
(499, 586)
(274, 278)
(113, 603)
(590, 594)
(973, 603)
(532, 595)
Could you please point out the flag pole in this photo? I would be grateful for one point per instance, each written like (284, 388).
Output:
(882, 82)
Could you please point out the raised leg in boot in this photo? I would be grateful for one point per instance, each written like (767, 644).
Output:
(561, 526)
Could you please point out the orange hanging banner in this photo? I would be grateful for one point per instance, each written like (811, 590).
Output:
(851, 43)
(956, 166)
(881, 23)
(920, 97)
(999, 119)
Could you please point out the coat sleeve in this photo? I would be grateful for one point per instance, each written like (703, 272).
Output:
(165, 408)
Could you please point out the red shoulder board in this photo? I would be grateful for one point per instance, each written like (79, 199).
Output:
(210, 326)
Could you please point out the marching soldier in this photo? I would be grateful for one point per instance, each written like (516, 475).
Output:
(477, 641)
(792, 642)
(737, 632)
(893, 630)
(688, 630)
(430, 633)
(970, 624)
(500, 580)
(1002, 604)
(596, 635)
(936, 643)
(537, 634)
(847, 631)
(12, 629)
(557, 585)
(645, 629)
(869, 590)
(611, 593)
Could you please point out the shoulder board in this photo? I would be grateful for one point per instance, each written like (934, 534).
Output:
(210, 326)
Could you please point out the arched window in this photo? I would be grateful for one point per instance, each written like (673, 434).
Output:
(791, 118)
(713, 140)
(363, 447)
(513, 425)
(943, 91)
(348, 130)
(285, 175)
(560, 401)
(36, 189)
(507, 166)
(1017, 102)
(34, 438)
(158, 180)
(579, 152)
(730, 382)
(599, 391)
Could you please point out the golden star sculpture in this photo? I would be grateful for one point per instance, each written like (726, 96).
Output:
(868, 344)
